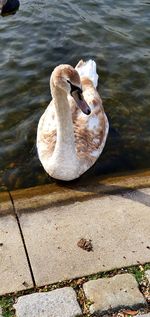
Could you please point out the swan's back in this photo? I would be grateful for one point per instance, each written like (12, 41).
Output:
(90, 131)
(88, 70)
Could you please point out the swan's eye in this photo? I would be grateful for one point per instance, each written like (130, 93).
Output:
(75, 88)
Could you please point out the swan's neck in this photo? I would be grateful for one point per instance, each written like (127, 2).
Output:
(65, 152)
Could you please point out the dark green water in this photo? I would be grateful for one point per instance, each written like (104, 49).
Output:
(46, 33)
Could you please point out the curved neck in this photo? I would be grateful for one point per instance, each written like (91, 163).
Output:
(65, 144)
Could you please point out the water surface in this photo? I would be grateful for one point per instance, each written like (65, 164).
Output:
(42, 35)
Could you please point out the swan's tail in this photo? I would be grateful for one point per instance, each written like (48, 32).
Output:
(88, 69)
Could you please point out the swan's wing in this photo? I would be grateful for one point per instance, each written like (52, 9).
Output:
(88, 69)
(90, 131)
(46, 133)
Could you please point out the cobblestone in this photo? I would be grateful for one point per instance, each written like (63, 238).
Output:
(120, 291)
(145, 315)
(57, 303)
(147, 274)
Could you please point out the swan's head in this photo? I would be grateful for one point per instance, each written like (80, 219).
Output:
(67, 78)
(9, 7)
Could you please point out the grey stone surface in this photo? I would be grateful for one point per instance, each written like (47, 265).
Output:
(0, 312)
(57, 303)
(118, 227)
(143, 315)
(113, 293)
(147, 274)
(14, 269)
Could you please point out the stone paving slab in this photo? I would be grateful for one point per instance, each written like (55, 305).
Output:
(57, 303)
(147, 274)
(120, 291)
(14, 271)
(118, 227)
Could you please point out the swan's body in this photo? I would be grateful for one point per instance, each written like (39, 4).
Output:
(68, 140)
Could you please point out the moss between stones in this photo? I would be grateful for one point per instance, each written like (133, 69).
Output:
(7, 306)
(7, 301)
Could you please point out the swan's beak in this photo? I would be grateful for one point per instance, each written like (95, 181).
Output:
(78, 97)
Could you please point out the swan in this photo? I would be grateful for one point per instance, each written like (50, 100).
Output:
(9, 6)
(72, 132)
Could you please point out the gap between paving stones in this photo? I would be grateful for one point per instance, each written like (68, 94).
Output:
(22, 238)
(138, 271)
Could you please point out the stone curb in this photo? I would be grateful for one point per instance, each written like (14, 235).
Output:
(6, 206)
(45, 196)
(105, 295)
(111, 294)
(57, 303)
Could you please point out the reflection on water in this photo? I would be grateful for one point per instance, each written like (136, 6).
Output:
(42, 35)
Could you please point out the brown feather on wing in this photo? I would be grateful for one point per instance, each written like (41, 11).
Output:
(87, 140)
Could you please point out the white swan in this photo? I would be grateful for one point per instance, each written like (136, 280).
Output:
(72, 131)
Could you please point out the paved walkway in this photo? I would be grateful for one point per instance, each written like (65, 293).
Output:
(58, 233)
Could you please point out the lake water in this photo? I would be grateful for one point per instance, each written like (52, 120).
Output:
(46, 33)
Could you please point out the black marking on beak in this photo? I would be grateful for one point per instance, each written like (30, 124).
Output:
(88, 111)
(76, 93)
(79, 95)
(75, 88)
